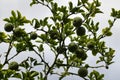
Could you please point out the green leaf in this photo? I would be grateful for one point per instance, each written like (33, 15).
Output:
(25, 64)
(12, 19)
(84, 1)
(113, 13)
(42, 0)
(17, 75)
(34, 74)
(37, 24)
(13, 14)
(94, 52)
(95, 75)
(1, 66)
(34, 2)
(97, 3)
(41, 48)
(79, 3)
(98, 10)
(3, 36)
(43, 37)
(70, 5)
(110, 22)
(75, 9)
(45, 22)
(7, 20)
(24, 75)
(47, 1)
(19, 15)
(96, 26)
(101, 77)
(27, 21)
(55, 6)
(36, 63)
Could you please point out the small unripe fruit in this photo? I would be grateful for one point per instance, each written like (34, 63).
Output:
(13, 65)
(61, 49)
(80, 53)
(82, 72)
(77, 22)
(18, 32)
(72, 47)
(80, 31)
(90, 45)
(33, 35)
(54, 34)
(8, 27)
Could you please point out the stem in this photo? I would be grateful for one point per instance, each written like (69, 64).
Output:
(103, 35)
(41, 58)
(76, 75)
(8, 52)
(50, 68)
(97, 66)
(13, 56)
(45, 5)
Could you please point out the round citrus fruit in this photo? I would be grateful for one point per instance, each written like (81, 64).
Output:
(80, 31)
(33, 35)
(61, 49)
(18, 32)
(77, 21)
(53, 34)
(13, 65)
(90, 45)
(82, 72)
(80, 53)
(72, 47)
(8, 27)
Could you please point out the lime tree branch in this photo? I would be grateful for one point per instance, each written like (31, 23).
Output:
(8, 52)
(50, 68)
(41, 58)
(13, 56)
(44, 5)
(110, 26)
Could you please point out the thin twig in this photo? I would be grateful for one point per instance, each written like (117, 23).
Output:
(8, 52)
(41, 58)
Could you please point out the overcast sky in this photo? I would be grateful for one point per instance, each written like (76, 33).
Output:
(38, 11)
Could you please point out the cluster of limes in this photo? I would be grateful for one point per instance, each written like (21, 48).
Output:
(79, 52)
(18, 32)
(77, 22)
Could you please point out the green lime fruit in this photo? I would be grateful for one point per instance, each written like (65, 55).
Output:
(90, 45)
(82, 72)
(33, 35)
(72, 47)
(54, 34)
(80, 31)
(80, 53)
(8, 27)
(13, 65)
(18, 32)
(77, 21)
(61, 49)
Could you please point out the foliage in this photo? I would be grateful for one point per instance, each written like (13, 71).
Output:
(54, 34)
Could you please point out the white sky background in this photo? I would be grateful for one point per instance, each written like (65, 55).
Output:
(38, 11)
